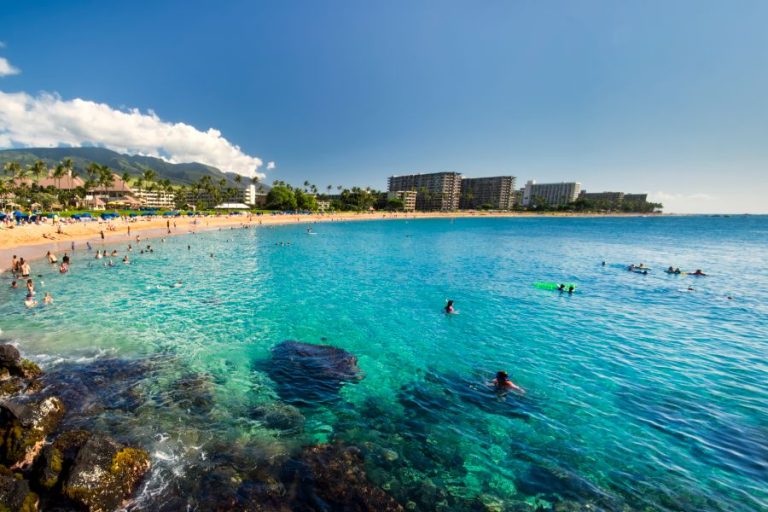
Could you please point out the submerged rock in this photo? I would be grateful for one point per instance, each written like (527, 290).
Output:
(24, 427)
(104, 473)
(89, 389)
(332, 477)
(283, 417)
(309, 374)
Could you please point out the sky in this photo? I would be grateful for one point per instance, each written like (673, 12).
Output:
(668, 98)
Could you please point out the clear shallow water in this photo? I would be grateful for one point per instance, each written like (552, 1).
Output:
(641, 394)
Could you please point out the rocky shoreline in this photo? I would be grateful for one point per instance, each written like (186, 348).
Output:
(50, 461)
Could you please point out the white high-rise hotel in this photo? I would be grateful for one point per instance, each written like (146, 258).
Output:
(553, 194)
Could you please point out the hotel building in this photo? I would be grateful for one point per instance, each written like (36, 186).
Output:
(551, 194)
(497, 192)
(434, 191)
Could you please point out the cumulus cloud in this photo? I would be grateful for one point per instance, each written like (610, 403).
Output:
(6, 69)
(49, 120)
(270, 166)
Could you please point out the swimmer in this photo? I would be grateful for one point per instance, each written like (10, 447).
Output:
(603, 263)
(130, 248)
(571, 289)
(48, 299)
(14, 284)
(502, 382)
(698, 273)
(30, 302)
(449, 308)
(178, 284)
(111, 263)
(64, 268)
(88, 244)
(51, 257)
(189, 247)
(30, 288)
(114, 252)
(98, 254)
(561, 288)
(126, 260)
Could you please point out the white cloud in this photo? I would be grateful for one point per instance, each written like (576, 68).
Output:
(6, 69)
(270, 166)
(48, 120)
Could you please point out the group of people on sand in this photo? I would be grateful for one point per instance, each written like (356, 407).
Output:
(501, 383)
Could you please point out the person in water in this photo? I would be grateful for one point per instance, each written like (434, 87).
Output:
(64, 268)
(14, 284)
(502, 383)
(698, 273)
(48, 299)
(571, 289)
(30, 288)
(51, 257)
(561, 287)
(449, 308)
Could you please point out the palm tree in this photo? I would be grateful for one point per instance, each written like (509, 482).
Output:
(255, 179)
(125, 177)
(59, 172)
(37, 170)
(238, 179)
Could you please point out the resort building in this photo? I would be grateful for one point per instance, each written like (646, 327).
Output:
(408, 197)
(636, 198)
(497, 193)
(156, 198)
(434, 191)
(323, 205)
(253, 197)
(550, 194)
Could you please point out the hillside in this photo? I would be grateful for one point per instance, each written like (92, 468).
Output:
(134, 165)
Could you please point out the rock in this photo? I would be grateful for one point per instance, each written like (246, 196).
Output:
(277, 416)
(24, 427)
(9, 356)
(89, 389)
(193, 392)
(309, 374)
(104, 474)
(332, 477)
(52, 463)
(15, 495)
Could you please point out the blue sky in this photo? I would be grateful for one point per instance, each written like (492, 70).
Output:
(664, 97)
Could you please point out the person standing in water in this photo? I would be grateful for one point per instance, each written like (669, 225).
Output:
(502, 383)
(449, 308)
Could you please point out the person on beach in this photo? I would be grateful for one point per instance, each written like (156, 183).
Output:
(102, 234)
(449, 310)
(48, 299)
(24, 268)
(51, 258)
(88, 245)
(502, 383)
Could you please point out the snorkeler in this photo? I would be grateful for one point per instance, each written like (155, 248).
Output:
(502, 382)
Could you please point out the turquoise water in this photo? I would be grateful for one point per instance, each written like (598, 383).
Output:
(641, 395)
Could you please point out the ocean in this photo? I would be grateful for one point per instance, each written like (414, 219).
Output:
(643, 391)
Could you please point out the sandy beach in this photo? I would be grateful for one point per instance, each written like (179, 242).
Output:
(33, 241)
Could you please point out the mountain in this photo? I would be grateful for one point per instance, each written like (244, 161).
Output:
(132, 164)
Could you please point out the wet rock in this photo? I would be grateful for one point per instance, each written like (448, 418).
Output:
(24, 427)
(332, 477)
(15, 495)
(309, 374)
(104, 473)
(9, 356)
(283, 417)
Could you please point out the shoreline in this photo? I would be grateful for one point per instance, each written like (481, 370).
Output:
(31, 242)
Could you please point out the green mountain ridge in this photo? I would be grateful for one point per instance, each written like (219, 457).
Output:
(178, 174)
